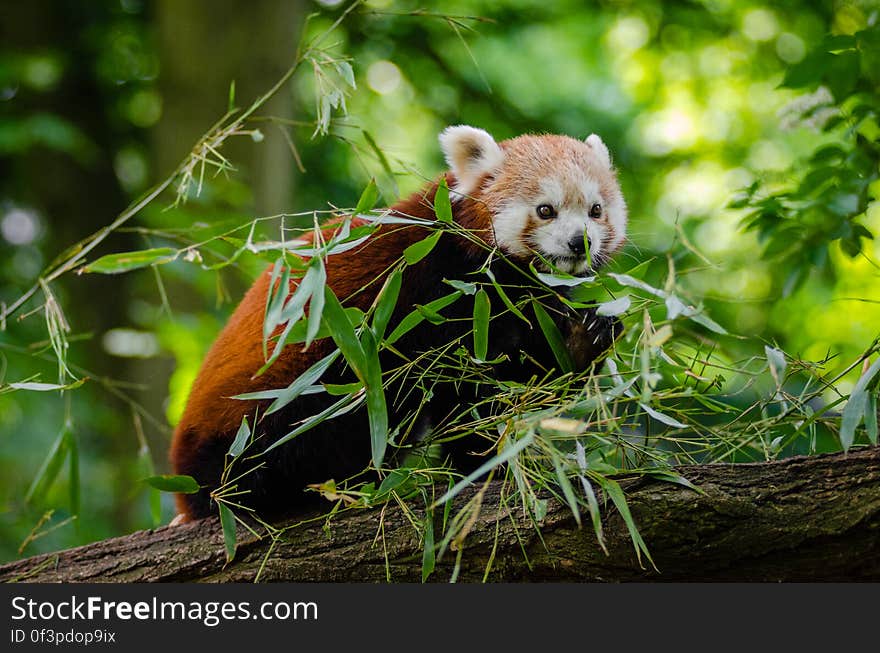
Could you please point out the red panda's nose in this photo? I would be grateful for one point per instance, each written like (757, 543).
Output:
(578, 245)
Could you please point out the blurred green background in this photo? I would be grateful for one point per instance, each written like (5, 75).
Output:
(101, 100)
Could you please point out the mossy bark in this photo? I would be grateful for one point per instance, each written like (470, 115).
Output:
(803, 519)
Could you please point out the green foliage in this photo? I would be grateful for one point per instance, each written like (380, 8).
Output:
(826, 197)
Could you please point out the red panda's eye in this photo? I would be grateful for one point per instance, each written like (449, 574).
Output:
(596, 211)
(546, 211)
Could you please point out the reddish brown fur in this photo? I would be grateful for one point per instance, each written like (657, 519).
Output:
(212, 417)
(233, 360)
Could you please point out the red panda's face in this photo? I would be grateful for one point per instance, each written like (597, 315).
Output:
(551, 197)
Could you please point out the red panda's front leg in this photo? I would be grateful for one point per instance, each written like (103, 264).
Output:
(589, 337)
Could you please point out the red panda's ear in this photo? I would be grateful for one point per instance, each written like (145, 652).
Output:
(470, 153)
(599, 148)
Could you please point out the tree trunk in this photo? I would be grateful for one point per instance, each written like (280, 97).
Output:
(802, 519)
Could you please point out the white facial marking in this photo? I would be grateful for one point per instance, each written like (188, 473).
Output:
(552, 238)
(509, 226)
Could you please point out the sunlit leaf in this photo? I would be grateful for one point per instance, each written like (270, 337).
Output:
(368, 198)
(442, 206)
(627, 280)
(614, 307)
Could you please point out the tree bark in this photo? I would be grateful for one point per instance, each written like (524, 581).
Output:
(802, 519)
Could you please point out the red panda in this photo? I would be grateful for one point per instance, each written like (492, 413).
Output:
(533, 199)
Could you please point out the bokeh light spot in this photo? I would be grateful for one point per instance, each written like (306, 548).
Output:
(20, 226)
(383, 77)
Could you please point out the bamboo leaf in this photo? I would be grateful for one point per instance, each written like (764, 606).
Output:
(278, 293)
(386, 302)
(614, 307)
(553, 337)
(612, 489)
(856, 406)
(227, 520)
(777, 363)
(171, 483)
(344, 405)
(672, 477)
(509, 452)
(592, 502)
(660, 417)
(442, 205)
(709, 323)
(632, 282)
(419, 250)
(416, 317)
(559, 279)
(567, 490)
(432, 316)
(316, 302)
(428, 553)
(298, 332)
(482, 310)
(48, 471)
(241, 438)
(127, 261)
(464, 286)
(343, 333)
(284, 396)
(505, 299)
(368, 198)
(871, 418)
(230, 106)
(377, 411)
(338, 390)
(45, 387)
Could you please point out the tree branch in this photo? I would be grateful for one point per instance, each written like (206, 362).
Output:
(802, 519)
